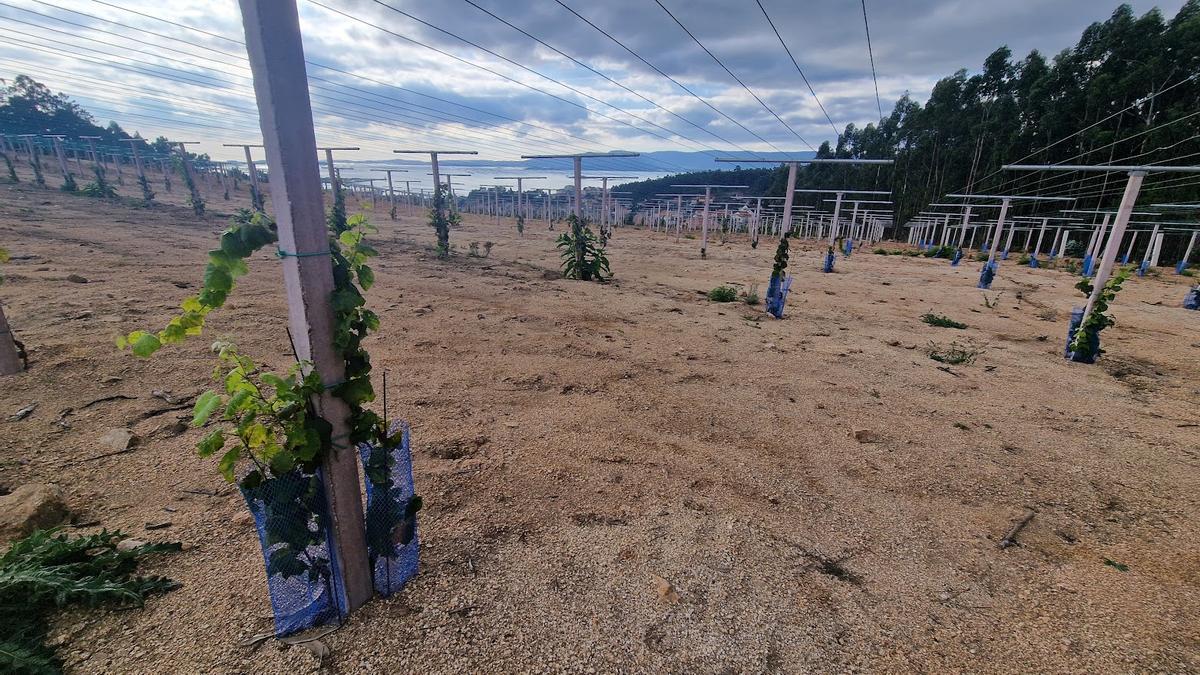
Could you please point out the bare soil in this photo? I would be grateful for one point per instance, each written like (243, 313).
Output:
(627, 477)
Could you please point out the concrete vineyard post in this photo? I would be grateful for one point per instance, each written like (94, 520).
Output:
(1132, 187)
(334, 178)
(137, 158)
(966, 221)
(577, 162)
(789, 197)
(276, 56)
(1187, 254)
(60, 156)
(187, 168)
(997, 231)
(1037, 250)
(1129, 251)
(10, 360)
(256, 196)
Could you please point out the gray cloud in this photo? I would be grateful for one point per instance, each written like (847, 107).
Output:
(915, 41)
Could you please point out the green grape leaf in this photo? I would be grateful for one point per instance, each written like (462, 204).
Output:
(229, 462)
(356, 391)
(255, 435)
(366, 277)
(282, 462)
(211, 443)
(206, 404)
(285, 563)
(145, 344)
(346, 299)
(239, 402)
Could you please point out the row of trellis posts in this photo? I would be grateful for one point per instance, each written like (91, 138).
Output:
(276, 56)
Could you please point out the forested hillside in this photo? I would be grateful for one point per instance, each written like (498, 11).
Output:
(1131, 84)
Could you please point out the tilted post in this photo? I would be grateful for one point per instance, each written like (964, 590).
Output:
(60, 156)
(276, 56)
(187, 170)
(256, 196)
(137, 158)
(334, 184)
(1124, 211)
(10, 359)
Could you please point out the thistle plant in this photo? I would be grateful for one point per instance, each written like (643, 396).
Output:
(47, 572)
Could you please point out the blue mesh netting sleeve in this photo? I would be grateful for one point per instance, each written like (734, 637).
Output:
(776, 301)
(291, 514)
(392, 541)
(1072, 329)
(1192, 299)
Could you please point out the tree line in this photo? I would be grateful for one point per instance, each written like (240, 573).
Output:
(1127, 92)
(30, 107)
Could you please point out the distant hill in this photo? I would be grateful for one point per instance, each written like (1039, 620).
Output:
(651, 162)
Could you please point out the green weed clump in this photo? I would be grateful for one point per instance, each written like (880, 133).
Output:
(954, 354)
(723, 294)
(750, 297)
(941, 321)
(47, 572)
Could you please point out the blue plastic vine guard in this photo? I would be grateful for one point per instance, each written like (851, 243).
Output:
(1143, 268)
(1033, 261)
(1180, 266)
(305, 586)
(849, 248)
(1192, 299)
(1087, 266)
(776, 302)
(1004, 255)
(986, 275)
(1072, 328)
(392, 542)
(958, 255)
(828, 266)
(772, 289)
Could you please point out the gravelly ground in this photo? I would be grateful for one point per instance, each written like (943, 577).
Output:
(582, 447)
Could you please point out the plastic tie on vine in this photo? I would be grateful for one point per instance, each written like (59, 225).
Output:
(281, 254)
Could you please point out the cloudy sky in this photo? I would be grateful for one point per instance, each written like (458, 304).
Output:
(391, 74)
